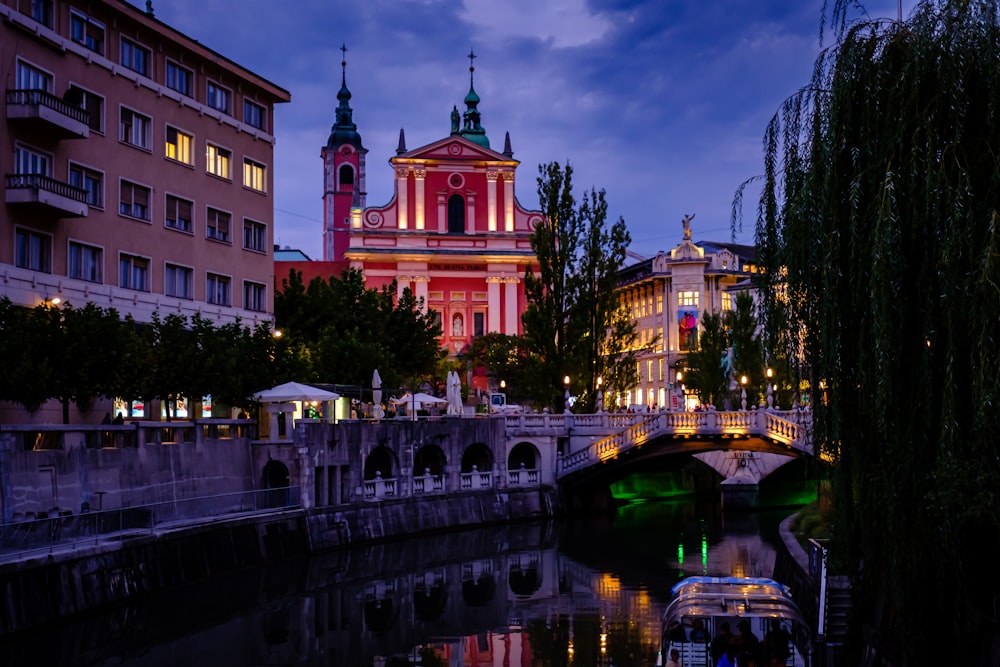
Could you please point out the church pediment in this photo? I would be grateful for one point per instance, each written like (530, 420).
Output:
(454, 148)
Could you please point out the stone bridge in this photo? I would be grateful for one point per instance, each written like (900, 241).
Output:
(742, 446)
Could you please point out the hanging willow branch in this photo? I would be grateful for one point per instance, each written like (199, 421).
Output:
(877, 231)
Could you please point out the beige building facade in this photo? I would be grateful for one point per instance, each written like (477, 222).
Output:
(667, 297)
(137, 163)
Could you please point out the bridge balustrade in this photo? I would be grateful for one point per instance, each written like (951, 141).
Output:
(474, 480)
(523, 477)
(428, 484)
(378, 488)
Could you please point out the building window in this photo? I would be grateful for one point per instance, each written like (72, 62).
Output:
(85, 262)
(134, 129)
(217, 225)
(179, 145)
(478, 324)
(218, 290)
(254, 236)
(659, 304)
(32, 251)
(687, 299)
(179, 78)
(30, 161)
(133, 273)
(177, 281)
(456, 214)
(217, 97)
(89, 180)
(253, 296)
(217, 161)
(178, 214)
(85, 30)
(135, 57)
(41, 11)
(94, 106)
(254, 114)
(254, 174)
(134, 200)
(32, 78)
(727, 301)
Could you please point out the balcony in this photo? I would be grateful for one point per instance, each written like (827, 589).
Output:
(46, 196)
(43, 112)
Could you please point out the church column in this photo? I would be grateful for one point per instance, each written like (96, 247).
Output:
(470, 215)
(402, 202)
(420, 290)
(510, 306)
(442, 201)
(508, 201)
(491, 200)
(420, 174)
(402, 282)
(493, 304)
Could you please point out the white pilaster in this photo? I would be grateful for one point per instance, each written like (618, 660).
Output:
(420, 174)
(420, 286)
(493, 304)
(510, 306)
(508, 201)
(402, 200)
(491, 200)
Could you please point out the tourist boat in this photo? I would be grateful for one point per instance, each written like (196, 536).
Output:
(701, 606)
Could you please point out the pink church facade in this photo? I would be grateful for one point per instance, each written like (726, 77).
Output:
(453, 233)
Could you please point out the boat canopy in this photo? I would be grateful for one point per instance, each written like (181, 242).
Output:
(749, 597)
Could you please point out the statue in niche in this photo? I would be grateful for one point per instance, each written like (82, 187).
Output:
(456, 326)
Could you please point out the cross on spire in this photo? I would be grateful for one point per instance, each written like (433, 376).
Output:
(472, 58)
(343, 50)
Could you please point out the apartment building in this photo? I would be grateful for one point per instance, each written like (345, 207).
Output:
(137, 164)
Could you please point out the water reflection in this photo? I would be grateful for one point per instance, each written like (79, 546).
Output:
(579, 593)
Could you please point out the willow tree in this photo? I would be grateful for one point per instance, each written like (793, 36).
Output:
(878, 232)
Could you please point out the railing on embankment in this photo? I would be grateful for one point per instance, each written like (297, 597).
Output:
(47, 533)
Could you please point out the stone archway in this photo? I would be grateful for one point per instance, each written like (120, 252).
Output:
(478, 455)
(380, 462)
(274, 481)
(429, 460)
(524, 455)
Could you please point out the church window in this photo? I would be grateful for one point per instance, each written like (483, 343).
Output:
(456, 214)
(346, 178)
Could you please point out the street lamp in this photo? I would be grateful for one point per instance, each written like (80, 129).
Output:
(566, 397)
(679, 391)
(743, 391)
(599, 403)
(503, 385)
(770, 389)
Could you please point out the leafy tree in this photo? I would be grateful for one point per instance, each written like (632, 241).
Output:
(341, 332)
(703, 373)
(878, 233)
(572, 323)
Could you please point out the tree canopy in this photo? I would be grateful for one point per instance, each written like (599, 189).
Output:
(574, 325)
(878, 234)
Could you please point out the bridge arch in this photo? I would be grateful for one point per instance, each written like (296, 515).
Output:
(478, 591)
(429, 459)
(524, 455)
(430, 602)
(479, 455)
(381, 462)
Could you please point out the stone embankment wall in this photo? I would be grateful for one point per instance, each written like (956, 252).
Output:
(72, 579)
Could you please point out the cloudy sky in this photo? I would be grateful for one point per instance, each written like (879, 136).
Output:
(662, 103)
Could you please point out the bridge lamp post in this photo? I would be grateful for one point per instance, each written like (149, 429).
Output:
(743, 391)
(566, 395)
(599, 402)
(770, 388)
(679, 390)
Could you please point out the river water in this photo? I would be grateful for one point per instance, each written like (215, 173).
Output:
(583, 592)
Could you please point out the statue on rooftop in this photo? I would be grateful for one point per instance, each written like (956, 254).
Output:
(687, 225)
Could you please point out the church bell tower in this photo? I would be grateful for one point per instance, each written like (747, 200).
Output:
(343, 174)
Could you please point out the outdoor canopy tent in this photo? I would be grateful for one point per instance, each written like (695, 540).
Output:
(294, 391)
(418, 400)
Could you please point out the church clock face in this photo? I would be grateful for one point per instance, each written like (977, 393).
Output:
(456, 181)
(345, 151)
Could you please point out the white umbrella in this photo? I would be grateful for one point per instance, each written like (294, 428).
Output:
(294, 391)
(377, 411)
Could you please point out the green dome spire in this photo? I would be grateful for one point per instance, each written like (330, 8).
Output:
(471, 129)
(344, 131)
